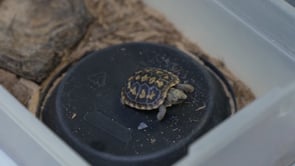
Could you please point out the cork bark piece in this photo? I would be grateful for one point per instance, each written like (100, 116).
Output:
(35, 33)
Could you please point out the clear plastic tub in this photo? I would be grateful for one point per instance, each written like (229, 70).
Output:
(255, 38)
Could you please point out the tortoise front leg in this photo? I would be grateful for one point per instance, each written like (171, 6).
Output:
(185, 87)
(162, 112)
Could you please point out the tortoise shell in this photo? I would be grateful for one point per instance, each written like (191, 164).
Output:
(147, 89)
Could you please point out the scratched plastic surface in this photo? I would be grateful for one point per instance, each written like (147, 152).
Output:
(90, 116)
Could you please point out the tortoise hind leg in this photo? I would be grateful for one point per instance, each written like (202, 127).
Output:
(161, 113)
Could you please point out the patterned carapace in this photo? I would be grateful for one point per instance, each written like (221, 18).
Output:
(147, 89)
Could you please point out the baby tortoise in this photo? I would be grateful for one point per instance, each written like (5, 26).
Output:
(154, 88)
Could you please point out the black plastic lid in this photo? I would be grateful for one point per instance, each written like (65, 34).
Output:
(86, 112)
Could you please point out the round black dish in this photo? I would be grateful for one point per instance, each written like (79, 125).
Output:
(86, 112)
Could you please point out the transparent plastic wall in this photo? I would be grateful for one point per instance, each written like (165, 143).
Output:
(255, 38)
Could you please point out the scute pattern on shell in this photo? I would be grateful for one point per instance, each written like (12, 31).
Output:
(147, 89)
